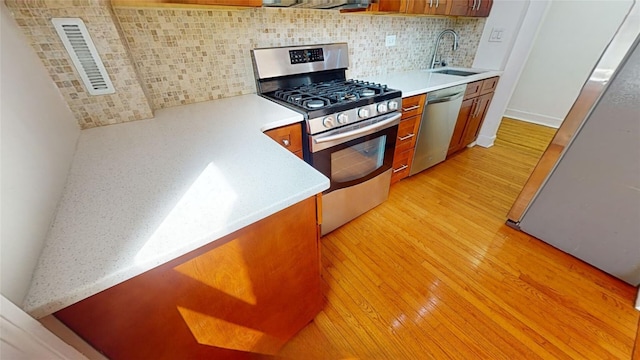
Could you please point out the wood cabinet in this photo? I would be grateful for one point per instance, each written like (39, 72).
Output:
(428, 7)
(407, 132)
(476, 101)
(289, 136)
(190, 3)
(475, 8)
(246, 293)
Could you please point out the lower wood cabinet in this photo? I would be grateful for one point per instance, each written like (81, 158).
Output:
(407, 132)
(289, 136)
(472, 113)
(246, 293)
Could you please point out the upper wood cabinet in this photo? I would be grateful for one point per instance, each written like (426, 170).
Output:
(248, 3)
(477, 8)
(428, 7)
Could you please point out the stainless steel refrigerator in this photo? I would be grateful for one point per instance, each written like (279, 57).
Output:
(584, 195)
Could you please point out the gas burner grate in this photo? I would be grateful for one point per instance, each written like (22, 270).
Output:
(325, 94)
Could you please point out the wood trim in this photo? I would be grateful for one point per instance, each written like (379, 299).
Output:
(245, 293)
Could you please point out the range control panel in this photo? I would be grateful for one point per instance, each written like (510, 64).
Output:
(306, 56)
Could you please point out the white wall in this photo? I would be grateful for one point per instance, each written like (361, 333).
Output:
(38, 140)
(507, 15)
(511, 55)
(571, 39)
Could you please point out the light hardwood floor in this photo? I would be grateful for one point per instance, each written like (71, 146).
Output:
(433, 273)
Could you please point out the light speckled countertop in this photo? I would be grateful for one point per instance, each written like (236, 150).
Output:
(423, 81)
(143, 193)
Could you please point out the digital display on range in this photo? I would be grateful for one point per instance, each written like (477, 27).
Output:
(306, 56)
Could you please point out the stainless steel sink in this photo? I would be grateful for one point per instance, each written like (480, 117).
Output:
(455, 72)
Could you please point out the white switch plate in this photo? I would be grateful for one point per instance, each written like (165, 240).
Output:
(496, 35)
(390, 40)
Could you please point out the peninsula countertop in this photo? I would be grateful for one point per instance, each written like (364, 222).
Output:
(423, 81)
(140, 194)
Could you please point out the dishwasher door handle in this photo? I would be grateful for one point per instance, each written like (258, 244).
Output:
(446, 98)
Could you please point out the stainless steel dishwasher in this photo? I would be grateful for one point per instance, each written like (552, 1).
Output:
(436, 128)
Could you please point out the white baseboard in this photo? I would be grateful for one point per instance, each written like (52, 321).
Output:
(638, 300)
(534, 118)
(485, 141)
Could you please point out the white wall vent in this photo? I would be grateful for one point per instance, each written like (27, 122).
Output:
(83, 53)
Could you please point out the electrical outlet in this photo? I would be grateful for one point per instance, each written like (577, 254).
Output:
(496, 35)
(390, 40)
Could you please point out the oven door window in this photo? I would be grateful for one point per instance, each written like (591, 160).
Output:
(358, 161)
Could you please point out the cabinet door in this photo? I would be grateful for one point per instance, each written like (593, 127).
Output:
(249, 291)
(407, 131)
(483, 8)
(461, 7)
(290, 137)
(468, 106)
(439, 7)
(428, 7)
(479, 8)
(399, 6)
(489, 85)
(476, 119)
(401, 165)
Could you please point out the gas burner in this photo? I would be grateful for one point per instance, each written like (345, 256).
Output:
(314, 104)
(368, 92)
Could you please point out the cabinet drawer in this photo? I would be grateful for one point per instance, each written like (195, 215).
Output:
(401, 165)
(289, 136)
(407, 133)
(473, 89)
(489, 85)
(413, 105)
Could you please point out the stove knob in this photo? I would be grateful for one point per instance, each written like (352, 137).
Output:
(393, 105)
(382, 108)
(363, 113)
(328, 122)
(343, 118)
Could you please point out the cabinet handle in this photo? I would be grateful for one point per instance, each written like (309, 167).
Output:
(437, 3)
(474, 5)
(479, 2)
(286, 142)
(408, 136)
(430, 3)
(400, 169)
(411, 108)
(474, 107)
(476, 113)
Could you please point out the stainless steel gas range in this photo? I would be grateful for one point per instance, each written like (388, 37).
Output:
(351, 126)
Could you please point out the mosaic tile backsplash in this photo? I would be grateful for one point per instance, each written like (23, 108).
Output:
(182, 55)
(186, 56)
(128, 103)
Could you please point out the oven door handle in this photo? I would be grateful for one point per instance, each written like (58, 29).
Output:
(360, 132)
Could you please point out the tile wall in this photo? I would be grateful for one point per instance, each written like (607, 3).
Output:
(186, 56)
(128, 103)
(163, 57)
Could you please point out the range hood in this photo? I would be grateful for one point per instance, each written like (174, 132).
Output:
(325, 5)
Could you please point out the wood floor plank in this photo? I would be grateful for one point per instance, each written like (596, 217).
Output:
(434, 273)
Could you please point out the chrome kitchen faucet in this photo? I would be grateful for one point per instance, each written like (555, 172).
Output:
(435, 50)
